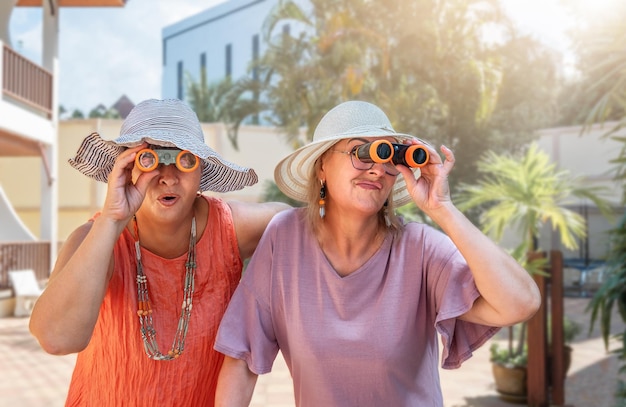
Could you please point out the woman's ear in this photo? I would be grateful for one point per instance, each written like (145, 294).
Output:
(320, 173)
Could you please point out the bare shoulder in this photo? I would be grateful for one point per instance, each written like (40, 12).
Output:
(76, 237)
(70, 245)
(242, 209)
(251, 219)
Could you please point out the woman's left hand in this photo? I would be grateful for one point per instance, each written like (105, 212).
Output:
(431, 190)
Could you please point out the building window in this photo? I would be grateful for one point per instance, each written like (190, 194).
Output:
(179, 81)
(255, 72)
(203, 62)
(255, 56)
(229, 60)
(286, 29)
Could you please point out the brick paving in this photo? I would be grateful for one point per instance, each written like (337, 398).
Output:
(31, 378)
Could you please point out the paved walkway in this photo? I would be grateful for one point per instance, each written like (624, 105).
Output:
(31, 378)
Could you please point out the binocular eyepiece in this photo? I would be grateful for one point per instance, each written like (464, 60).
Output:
(410, 155)
(383, 151)
(379, 151)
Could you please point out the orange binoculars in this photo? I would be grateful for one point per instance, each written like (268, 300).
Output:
(383, 151)
(410, 155)
(148, 159)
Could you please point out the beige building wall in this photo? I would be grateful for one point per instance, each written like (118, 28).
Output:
(587, 156)
(80, 197)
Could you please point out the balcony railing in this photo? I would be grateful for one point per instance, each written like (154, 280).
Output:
(26, 81)
(24, 255)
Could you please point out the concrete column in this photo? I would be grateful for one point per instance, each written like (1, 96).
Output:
(49, 184)
(6, 8)
(50, 33)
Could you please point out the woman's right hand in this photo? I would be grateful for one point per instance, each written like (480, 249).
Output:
(124, 197)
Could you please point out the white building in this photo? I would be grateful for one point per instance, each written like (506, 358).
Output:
(224, 40)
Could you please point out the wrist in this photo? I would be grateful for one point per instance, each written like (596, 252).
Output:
(445, 215)
(110, 224)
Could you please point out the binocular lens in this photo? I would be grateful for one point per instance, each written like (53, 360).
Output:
(186, 160)
(148, 159)
(410, 155)
(379, 151)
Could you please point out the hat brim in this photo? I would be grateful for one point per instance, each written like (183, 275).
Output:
(95, 158)
(292, 174)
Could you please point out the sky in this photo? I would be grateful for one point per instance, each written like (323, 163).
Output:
(105, 53)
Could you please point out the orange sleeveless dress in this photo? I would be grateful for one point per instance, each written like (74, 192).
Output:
(114, 369)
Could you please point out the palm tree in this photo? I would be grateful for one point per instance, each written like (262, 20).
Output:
(525, 194)
(528, 193)
(219, 101)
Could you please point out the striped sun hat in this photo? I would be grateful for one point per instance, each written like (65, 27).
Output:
(346, 120)
(167, 123)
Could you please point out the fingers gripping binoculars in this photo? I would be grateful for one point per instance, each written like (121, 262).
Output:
(383, 151)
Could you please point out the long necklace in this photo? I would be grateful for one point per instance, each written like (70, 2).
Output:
(144, 311)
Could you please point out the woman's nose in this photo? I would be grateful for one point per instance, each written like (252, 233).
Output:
(378, 168)
(169, 173)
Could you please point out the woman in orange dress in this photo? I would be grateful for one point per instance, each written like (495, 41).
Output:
(139, 290)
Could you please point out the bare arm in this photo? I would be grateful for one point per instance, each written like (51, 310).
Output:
(251, 219)
(235, 384)
(65, 314)
(508, 294)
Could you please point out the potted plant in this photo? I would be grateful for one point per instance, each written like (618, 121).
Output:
(509, 366)
(509, 363)
(525, 193)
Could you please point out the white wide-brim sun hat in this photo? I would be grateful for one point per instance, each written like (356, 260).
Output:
(167, 123)
(346, 120)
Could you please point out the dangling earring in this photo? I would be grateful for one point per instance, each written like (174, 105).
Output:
(386, 213)
(322, 201)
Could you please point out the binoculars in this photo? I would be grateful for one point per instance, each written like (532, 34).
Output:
(148, 159)
(383, 151)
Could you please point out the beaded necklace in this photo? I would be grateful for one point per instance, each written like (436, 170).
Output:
(148, 333)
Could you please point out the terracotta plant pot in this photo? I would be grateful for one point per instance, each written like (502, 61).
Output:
(510, 382)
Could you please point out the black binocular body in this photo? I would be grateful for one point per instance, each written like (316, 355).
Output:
(382, 151)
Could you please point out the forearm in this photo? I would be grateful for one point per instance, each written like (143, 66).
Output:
(508, 293)
(65, 314)
(235, 384)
